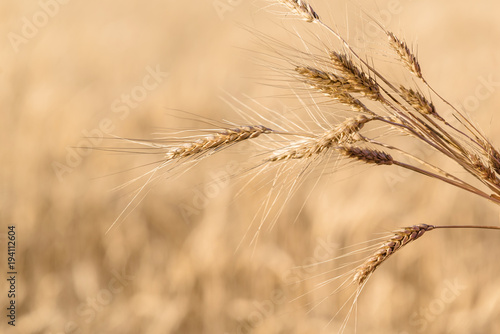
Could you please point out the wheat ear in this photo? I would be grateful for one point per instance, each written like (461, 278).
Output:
(398, 240)
(215, 141)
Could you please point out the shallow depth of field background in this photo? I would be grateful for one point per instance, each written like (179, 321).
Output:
(160, 272)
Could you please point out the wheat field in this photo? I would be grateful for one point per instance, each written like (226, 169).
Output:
(182, 259)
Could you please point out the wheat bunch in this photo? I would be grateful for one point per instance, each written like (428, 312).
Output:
(350, 79)
(342, 76)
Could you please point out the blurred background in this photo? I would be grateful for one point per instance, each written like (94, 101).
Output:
(73, 72)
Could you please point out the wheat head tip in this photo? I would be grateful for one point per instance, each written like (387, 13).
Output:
(301, 8)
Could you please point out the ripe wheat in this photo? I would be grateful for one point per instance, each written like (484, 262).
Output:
(346, 78)
(478, 156)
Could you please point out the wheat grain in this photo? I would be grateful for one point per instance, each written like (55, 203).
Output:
(493, 158)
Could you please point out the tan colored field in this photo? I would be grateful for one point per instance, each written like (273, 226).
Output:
(72, 71)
